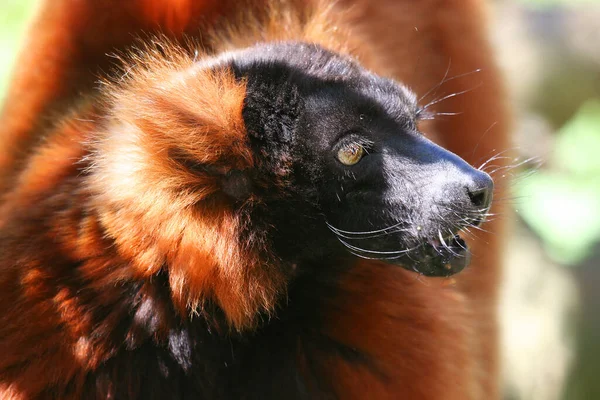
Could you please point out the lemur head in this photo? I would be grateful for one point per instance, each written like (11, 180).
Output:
(346, 143)
(239, 169)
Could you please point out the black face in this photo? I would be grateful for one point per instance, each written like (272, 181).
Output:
(348, 168)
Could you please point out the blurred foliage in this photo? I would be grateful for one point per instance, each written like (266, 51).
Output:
(13, 16)
(562, 202)
(549, 3)
(563, 205)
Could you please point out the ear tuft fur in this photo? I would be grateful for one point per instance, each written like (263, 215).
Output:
(161, 211)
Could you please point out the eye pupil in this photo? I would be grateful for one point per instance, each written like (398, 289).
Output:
(351, 153)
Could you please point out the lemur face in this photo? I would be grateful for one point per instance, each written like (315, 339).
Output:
(388, 192)
(341, 143)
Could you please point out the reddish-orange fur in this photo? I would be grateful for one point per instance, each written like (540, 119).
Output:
(432, 340)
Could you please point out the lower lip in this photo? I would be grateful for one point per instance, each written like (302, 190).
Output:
(440, 260)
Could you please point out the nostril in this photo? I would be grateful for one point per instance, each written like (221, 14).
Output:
(481, 198)
(480, 191)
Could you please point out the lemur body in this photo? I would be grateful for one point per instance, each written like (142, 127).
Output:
(251, 219)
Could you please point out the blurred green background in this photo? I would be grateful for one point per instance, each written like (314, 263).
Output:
(13, 17)
(550, 52)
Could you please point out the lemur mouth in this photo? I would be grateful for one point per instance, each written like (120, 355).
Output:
(438, 257)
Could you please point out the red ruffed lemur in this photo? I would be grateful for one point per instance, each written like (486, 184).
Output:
(241, 200)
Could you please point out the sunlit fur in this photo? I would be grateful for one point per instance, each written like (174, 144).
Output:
(95, 212)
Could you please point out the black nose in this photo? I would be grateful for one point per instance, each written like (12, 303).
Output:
(480, 190)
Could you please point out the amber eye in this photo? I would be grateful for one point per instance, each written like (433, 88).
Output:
(351, 153)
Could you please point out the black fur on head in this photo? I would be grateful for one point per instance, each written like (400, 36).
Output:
(342, 168)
